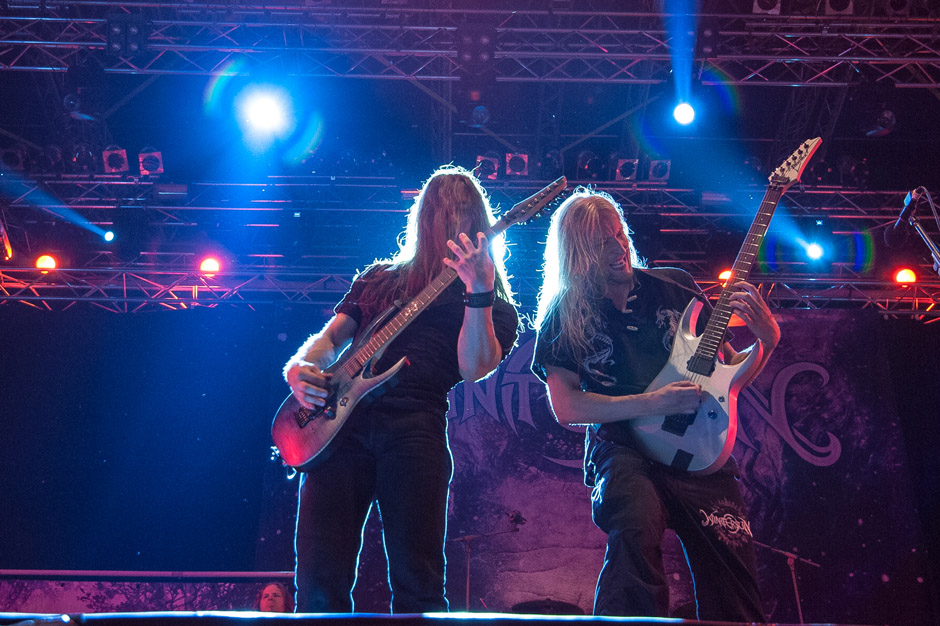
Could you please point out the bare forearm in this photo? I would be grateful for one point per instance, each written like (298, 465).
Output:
(478, 350)
(571, 405)
(583, 407)
(318, 349)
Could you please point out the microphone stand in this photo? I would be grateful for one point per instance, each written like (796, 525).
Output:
(934, 251)
(791, 563)
(466, 539)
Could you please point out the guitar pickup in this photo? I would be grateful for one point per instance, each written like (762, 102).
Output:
(678, 423)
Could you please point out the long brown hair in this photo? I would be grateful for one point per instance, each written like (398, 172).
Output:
(451, 202)
(572, 277)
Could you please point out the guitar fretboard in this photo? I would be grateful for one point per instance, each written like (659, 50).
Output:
(714, 334)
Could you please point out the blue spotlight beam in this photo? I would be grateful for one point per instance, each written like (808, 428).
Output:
(17, 190)
(680, 27)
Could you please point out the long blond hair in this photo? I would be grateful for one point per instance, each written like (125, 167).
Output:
(451, 202)
(572, 277)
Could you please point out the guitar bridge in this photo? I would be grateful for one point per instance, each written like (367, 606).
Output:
(678, 423)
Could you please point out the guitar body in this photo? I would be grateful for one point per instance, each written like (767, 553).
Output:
(303, 436)
(700, 443)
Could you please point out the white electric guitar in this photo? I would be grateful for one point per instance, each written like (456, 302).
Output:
(700, 443)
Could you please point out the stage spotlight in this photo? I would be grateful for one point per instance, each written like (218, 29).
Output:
(625, 169)
(767, 7)
(839, 7)
(115, 160)
(83, 159)
(151, 162)
(814, 251)
(706, 41)
(126, 34)
(265, 112)
(883, 124)
(589, 166)
(898, 8)
(209, 266)
(476, 44)
(13, 160)
(46, 262)
(659, 170)
(549, 166)
(905, 276)
(109, 236)
(517, 164)
(684, 114)
(723, 276)
(487, 166)
(50, 160)
(479, 116)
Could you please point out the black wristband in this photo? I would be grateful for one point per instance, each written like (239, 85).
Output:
(479, 300)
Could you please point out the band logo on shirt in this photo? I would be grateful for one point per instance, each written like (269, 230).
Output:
(729, 523)
(669, 319)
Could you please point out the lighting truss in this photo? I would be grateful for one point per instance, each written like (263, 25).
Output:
(166, 277)
(402, 42)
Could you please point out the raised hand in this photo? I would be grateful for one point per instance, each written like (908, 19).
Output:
(472, 263)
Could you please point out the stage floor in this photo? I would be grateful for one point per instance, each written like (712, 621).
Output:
(241, 618)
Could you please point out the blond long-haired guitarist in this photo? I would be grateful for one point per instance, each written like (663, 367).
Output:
(606, 326)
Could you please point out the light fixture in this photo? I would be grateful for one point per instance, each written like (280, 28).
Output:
(115, 160)
(46, 262)
(626, 169)
(589, 166)
(766, 7)
(517, 164)
(487, 167)
(127, 35)
(151, 162)
(13, 159)
(905, 276)
(659, 170)
(839, 7)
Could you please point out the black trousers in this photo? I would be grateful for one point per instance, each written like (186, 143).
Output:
(634, 500)
(404, 464)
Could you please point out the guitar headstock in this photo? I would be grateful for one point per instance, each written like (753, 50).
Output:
(532, 207)
(790, 170)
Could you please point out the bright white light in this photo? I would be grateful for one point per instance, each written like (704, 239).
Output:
(684, 113)
(814, 251)
(265, 113)
(109, 236)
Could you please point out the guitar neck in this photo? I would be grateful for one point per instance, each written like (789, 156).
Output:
(717, 327)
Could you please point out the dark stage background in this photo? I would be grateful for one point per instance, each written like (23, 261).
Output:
(140, 442)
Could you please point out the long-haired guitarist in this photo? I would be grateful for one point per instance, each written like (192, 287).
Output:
(606, 325)
(394, 450)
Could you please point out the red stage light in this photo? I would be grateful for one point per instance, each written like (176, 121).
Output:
(724, 276)
(210, 265)
(905, 276)
(46, 262)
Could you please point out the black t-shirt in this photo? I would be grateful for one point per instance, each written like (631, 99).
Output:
(629, 349)
(429, 342)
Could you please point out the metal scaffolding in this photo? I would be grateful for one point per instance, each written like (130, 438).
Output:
(405, 42)
(266, 217)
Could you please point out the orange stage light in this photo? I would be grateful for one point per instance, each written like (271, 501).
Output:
(46, 262)
(905, 276)
(210, 265)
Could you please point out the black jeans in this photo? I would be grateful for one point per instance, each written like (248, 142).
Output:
(634, 500)
(402, 462)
